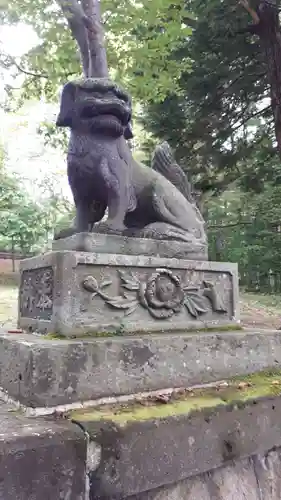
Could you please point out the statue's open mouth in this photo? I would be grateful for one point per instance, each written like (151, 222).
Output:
(110, 117)
(108, 124)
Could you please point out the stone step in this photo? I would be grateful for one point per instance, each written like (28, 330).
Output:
(40, 371)
(40, 460)
(226, 451)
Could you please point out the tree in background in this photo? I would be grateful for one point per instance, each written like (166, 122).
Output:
(246, 228)
(266, 25)
(221, 115)
(203, 83)
(138, 53)
(26, 225)
(197, 66)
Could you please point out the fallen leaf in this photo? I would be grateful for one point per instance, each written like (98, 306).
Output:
(143, 401)
(182, 391)
(223, 384)
(191, 393)
(243, 385)
(163, 398)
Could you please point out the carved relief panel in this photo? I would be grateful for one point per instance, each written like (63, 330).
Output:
(36, 293)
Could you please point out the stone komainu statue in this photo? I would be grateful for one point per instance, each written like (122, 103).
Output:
(141, 202)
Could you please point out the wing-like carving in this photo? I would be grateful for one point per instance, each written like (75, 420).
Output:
(163, 162)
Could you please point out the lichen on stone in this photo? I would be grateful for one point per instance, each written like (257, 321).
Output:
(184, 402)
(121, 331)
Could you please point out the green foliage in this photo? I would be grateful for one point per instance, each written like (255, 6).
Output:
(246, 228)
(139, 35)
(25, 224)
(220, 115)
(201, 79)
(203, 87)
(53, 136)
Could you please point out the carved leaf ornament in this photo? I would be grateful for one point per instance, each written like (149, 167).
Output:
(162, 294)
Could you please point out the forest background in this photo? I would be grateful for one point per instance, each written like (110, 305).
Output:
(202, 76)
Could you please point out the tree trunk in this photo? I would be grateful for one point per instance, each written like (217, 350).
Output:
(84, 20)
(13, 254)
(268, 30)
(98, 60)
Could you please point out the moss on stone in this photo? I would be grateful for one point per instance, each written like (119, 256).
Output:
(138, 412)
(237, 390)
(54, 336)
(123, 333)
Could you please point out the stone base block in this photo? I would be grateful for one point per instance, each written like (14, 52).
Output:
(108, 243)
(226, 453)
(80, 293)
(38, 371)
(40, 459)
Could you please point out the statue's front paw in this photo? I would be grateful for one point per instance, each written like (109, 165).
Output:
(65, 233)
(109, 228)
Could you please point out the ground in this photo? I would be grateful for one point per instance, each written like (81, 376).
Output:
(8, 306)
(263, 311)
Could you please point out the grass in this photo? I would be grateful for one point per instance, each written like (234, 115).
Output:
(260, 310)
(271, 303)
(8, 305)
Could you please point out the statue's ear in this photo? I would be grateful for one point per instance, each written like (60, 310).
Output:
(128, 132)
(65, 115)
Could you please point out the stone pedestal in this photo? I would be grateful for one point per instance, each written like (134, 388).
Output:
(108, 243)
(39, 371)
(74, 293)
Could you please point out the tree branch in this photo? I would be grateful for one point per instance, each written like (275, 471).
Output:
(233, 129)
(224, 226)
(222, 90)
(78, 23)
(13, 62)
(251, 11)
(241, 223)
(106, 19)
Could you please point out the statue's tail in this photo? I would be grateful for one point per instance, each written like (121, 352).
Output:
(164, 163)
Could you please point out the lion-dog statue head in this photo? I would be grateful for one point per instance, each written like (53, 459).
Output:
(96, 106)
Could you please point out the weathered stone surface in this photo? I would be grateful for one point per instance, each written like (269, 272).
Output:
(235, 481)
(41, 372)
(190, 489)
(103, 174)
(144, 456)
(255, 478)
(268, 472)
(39, 459)
(107, 243)
(79, 293)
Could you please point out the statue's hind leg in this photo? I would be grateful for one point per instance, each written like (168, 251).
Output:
(162, 211)
(180, 213)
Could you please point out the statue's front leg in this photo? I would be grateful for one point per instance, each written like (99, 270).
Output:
(97, 213)
(117, 203)
(82, 217)
(85, 218)
(80, 223)
(117, 208)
